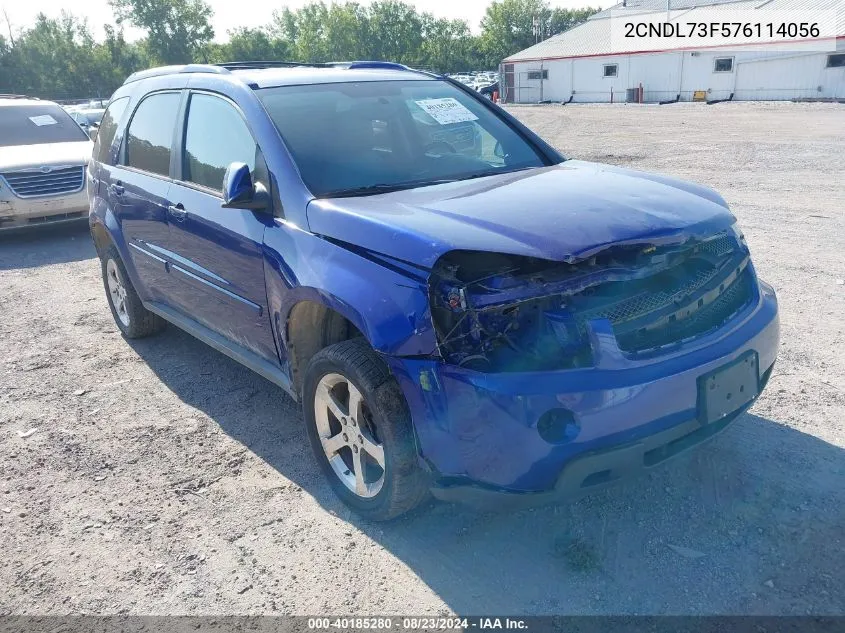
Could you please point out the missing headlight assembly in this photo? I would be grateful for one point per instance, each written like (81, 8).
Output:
(503, 313)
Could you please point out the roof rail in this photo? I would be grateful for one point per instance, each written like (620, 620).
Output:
(255, 65)
(226, 67)
(172, 70)
(364, 64)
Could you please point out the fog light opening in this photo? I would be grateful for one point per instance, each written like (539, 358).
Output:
(558, 426)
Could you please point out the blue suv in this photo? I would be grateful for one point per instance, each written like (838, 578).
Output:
(460, 309)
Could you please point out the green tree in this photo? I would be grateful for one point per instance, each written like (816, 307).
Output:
(562, 20)
(446, 45)
(119, 57)
(247, 44)
(177, 30)
(510, 26)
(395, 31)
(348, 32)
(56, 58)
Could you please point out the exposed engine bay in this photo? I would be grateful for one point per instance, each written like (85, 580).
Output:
(501, 313)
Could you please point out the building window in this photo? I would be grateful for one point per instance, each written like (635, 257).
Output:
(538, 74)
(723, 65)
(836, 61)
(610, 70)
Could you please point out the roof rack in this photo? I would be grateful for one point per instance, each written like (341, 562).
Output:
(351, 65)
(257, 65)
(171, 70)
(369, 64)
(226, 67)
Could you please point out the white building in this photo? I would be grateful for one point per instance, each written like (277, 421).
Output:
(579, 65)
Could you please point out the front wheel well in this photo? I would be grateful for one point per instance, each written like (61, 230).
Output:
(311, 327)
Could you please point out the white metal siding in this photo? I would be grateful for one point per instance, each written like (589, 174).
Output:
(756, 75)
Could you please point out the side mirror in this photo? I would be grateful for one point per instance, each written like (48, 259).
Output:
(92, 132)
(239, 192)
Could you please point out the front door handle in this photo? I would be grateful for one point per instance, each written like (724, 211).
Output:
(117, 188)
(177, 211)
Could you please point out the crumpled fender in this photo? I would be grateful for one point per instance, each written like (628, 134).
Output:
(385, 299)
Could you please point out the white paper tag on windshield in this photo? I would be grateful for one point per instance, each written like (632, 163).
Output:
(446, 111)
(44, 119)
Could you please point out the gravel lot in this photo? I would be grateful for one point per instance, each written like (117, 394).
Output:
(163, 478)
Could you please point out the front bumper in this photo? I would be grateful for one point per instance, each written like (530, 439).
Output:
(16, 213)
(479, 432)
(593, 471)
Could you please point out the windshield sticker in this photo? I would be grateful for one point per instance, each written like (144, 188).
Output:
(44, 119)
(446, 111)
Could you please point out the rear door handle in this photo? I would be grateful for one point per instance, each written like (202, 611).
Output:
(177, 211)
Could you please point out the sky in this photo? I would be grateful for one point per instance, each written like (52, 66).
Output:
(231, 13)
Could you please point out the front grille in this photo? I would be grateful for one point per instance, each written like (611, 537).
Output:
(733, 299)
(43, 219)
(646, 302)
(37, 184)
(701, 289)
(720, 246)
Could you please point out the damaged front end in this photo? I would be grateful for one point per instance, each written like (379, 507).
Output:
(502, 313)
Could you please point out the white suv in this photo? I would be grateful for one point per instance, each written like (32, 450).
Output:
(43, 156)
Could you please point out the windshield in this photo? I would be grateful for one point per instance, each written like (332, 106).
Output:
(37, 124)
(369, 137)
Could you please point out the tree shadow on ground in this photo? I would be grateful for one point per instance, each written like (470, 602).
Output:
(750, 523)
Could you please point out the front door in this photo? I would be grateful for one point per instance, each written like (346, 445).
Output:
(217, 256)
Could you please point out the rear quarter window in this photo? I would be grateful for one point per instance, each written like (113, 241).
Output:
(108, 128)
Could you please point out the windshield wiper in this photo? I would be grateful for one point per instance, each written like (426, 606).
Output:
(490, 172)
(371, 190)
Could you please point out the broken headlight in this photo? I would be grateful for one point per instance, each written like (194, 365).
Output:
(499, 313)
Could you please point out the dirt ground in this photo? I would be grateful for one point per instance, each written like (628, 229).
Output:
(163, 478)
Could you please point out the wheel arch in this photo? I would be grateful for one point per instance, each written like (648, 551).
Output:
(343, 289)
(101, 236)
(311, 325)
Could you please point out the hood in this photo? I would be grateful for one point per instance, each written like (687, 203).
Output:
(17, 157)
(566, 212)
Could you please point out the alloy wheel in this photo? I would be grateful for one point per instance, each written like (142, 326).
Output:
(348, 435)
(117, 291)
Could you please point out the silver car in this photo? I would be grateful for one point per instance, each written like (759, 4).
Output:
(43, 159)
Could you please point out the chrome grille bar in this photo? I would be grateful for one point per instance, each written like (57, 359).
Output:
(38, 184)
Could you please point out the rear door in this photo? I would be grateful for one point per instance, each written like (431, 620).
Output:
(138, 187)
(218, 262)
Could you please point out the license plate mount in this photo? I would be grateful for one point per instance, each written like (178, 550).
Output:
(728, 388)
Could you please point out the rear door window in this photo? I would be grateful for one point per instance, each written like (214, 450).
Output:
(150, 134)
(215, 136)
(108, 128)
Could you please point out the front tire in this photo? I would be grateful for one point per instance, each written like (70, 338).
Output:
(129, 313)
(360, 430)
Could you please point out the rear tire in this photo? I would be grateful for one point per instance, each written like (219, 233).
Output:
(130, 315)
(361, 433)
